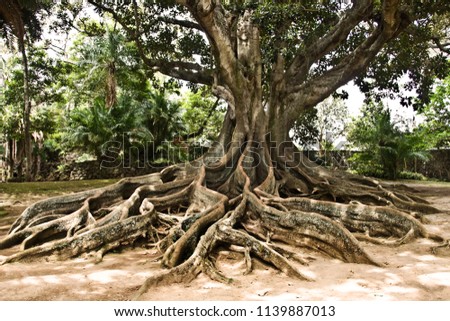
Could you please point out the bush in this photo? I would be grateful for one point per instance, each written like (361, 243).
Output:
(411, 175)
(364, 164)
(384, 146)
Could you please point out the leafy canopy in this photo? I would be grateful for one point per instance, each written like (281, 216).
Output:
(315, 36)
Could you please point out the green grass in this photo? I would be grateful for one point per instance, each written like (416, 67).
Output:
(2, 212)
(52, 188)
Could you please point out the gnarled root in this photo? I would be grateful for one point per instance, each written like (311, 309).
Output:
(364, 220)
(187, 213)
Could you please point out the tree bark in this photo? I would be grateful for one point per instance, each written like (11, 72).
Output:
(10, 157)
(26, 111)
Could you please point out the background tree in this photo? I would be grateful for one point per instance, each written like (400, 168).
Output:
(203, 115)
(304, 132)
(21, 18)
(270, 61)
(163, 118)
(91, 128)
(106, 65)
(323, 125)
(437, 115)
(383, 147)
(43, 75)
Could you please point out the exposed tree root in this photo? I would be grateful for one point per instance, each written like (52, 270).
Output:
(187, 213)
(445, 244)
(359, 218)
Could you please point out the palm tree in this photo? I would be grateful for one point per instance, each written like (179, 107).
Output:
(91, 128)
(106, 63)
(383, 143)
(162, 117)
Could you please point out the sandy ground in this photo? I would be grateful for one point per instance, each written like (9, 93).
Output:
(411, 271)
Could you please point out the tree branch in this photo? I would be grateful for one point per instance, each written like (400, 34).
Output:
(174, 69)
(299, 68)
(182, 70)
(212, 18)
(307, 95)
(181, 23)
(444, 47)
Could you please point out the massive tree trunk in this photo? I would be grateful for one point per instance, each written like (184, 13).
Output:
(252, 191)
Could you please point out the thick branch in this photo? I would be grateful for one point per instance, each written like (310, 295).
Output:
(444, 47)
(212, 18)
(298, 70)
(181, 23)
(183, 70)
(307, 95)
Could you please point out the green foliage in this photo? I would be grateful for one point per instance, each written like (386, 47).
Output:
(305, 132)
(411, 175)
(162, 117)
(203, 115)
(384, 148)
(364, 163)
(405, 69)
(106, 65)
(149, 125)
(114, 103)
(44, 74)
(437, 113)
(322, 125)
(91, 128)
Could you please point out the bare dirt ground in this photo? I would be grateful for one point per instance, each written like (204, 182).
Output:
(411, 271)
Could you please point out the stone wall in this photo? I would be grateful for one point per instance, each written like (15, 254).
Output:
(438, 167)
(92, 170)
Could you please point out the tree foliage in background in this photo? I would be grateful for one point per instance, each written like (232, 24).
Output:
(133, 115)
(203, 115)
(106, 65)
(437, 115)
(44, 75)
(383, 148)
(324, 125)
(91, 128)
(23, 19)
